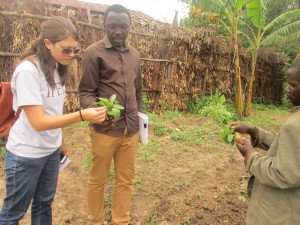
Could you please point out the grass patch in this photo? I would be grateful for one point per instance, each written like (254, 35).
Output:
(78, 125)
(88, 162)
(148, 152)
(159, 129)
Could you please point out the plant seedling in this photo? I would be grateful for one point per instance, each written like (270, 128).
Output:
(113, 108)
(229, 136)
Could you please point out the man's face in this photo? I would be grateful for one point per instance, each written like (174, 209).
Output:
(293, 88)
(117, 27)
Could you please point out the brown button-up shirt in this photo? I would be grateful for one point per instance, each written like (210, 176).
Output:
(108, 71)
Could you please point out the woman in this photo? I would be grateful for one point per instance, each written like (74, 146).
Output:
(35, 140)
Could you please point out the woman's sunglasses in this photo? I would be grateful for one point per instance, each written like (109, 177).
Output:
(68, 51)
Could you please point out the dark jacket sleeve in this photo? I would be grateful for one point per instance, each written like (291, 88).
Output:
(265, 139)
(139, 89)
(89, 83)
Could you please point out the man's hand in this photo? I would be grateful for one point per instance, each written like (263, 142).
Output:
(244, 128)
(245, 148)
(240, 127)
(108, 123)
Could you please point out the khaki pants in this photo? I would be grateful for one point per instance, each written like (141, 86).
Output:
(104, 149)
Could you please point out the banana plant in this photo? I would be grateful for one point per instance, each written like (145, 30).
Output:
(283, 30)
(227, 14)
(113, 108)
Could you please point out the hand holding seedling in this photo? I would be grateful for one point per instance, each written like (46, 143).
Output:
(113, 111)
(229, 136)
(242, 128)
(244, 148)
(108, 124)
(232, 133)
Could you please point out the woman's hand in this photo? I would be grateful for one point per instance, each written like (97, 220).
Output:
(94, 115)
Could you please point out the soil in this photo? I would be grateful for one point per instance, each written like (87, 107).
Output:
(176, 183)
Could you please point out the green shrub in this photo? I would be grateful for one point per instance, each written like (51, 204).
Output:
(215, 108)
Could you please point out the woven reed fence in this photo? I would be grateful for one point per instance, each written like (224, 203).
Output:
(178, 65)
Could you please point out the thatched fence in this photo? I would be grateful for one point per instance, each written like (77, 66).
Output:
(178, 65)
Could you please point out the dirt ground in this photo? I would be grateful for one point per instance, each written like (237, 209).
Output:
(177, 182)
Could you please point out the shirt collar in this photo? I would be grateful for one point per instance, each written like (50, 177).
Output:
(108, 44)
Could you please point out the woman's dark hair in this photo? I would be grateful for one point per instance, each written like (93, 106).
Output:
(54, 29)
(118, 9)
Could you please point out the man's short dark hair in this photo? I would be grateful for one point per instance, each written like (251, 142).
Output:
(118, 9)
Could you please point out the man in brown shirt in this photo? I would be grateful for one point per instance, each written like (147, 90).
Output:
(110, 67)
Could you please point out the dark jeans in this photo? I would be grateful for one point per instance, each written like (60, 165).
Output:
(29, 179)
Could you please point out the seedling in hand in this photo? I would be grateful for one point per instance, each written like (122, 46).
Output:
(229, 136)
(113, 108)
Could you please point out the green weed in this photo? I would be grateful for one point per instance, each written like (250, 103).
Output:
(146, 102)
(107, 203)
(150, 220)
(215, 107)
(159, 129)
(187, 219)
(149, 151)
(242, 198)
(172, 116)
(138, 182)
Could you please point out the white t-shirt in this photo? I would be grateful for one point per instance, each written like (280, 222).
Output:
(30, 87)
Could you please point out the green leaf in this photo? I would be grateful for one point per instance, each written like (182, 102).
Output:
(118, 106)
(212, 6)
(227, 134)
(115, 113)
(283, 19)
(256, 11)
(113, 98)
(239, 5)
(103, 101)
(112, 106)
(285, 34)
(222, 99)
(230, 138)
